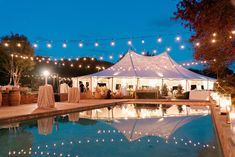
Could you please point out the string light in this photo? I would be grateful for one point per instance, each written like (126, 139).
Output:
(110, 57)
(213, 40)
(101, 58)
(49, 45)
(233, 32)
(168, 49)
(6, 44)
(214, 34)
(197, 44)
(142, 41)
(159, 40)
(18, 45)
(96, 44)
(178, 38)
(143, 52)
(129, 42)
(64, 45)
(182, 46)
(112, 43)
(35, 45)
(80, 44)
(154, 51)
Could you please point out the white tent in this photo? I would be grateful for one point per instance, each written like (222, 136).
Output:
(136, 71)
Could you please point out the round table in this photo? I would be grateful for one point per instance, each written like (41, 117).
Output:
(73, 95)
(46, 97)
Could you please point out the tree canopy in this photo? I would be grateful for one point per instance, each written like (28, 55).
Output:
(213, 23)
(15, 67)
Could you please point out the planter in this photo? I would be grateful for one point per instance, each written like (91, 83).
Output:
(28, 99)
(14, 97)
(5, 99)
(63, 97)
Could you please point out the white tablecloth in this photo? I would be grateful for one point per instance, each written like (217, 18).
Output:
(46, 97)
(199, 95)
(64, 88)
(73, 95)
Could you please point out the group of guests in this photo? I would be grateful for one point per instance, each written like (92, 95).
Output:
(105, 93)
(82, 87)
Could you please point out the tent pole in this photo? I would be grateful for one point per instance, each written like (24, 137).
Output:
(91, 85)
(137, 85)
(77, 82)
(112, 85)
(186, 86)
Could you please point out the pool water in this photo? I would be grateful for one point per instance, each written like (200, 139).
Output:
(120, 131)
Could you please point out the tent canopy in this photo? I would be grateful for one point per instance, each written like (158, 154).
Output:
(139, 66)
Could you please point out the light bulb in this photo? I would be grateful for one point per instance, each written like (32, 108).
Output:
(64, 45)
(49, 45)
(18, 45)
(197, 44)
(80, 44)
(35, 45)
(182, 46)
(168, 49)
(178, 38)
(112, 43)
(96, 44)
(159, 40)
(6, 44)
(142, 41)
(129, 42)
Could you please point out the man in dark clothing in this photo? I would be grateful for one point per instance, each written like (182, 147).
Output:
(82, 87)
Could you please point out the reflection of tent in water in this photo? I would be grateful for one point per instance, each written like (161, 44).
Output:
(134, 129)
(45, 125)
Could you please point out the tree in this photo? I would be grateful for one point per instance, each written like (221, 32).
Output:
(15, 66)
(164, 90)
(213, 23)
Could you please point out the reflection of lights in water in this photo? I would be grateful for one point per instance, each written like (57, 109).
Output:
(111, 140)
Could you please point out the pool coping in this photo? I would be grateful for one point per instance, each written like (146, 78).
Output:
(223, 131)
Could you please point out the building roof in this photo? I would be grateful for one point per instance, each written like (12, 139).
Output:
(160, 66)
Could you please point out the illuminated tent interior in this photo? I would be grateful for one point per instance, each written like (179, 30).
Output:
(136, 71)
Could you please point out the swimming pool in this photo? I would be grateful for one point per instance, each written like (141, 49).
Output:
(120, 131)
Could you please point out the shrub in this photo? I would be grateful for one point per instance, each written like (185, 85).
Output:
(164, 90)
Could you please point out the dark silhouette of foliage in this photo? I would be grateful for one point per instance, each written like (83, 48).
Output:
(14, 67)
(210, 19)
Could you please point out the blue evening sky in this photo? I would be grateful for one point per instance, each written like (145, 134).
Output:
(94, 20)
